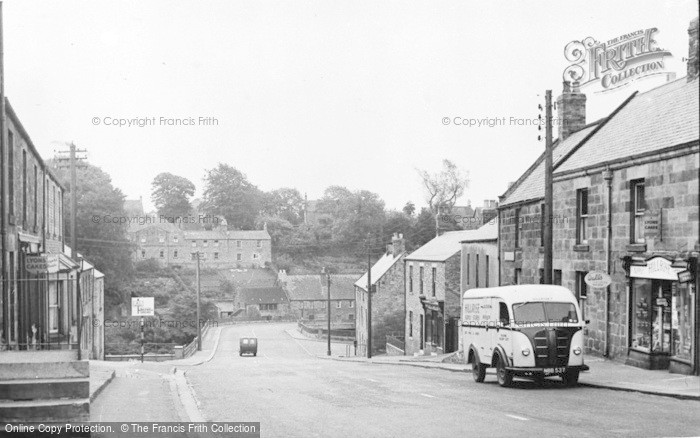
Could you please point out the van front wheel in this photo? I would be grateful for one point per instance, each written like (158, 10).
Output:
(478, 370)
(505, 377)
(570, 377)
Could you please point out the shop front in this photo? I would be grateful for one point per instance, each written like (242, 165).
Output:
(662, 313)
(434, 326)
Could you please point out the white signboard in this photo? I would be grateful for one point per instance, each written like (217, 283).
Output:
(597, 279)
(143, 306)
(657, 268)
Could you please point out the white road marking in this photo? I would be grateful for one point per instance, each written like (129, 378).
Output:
(428, 395)
(517, 417)
(373, 381)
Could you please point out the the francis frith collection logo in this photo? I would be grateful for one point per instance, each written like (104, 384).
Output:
(616, 62)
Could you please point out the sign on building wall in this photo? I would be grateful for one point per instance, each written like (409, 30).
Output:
(509, 256)
(657, 268)
(143, 306)
(36, 264)
(597, 279)
(652, 224)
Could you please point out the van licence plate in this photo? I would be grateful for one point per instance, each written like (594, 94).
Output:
(554, 370)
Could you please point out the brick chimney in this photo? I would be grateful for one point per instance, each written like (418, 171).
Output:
(571, 110)
(693, 49)
(398, 245)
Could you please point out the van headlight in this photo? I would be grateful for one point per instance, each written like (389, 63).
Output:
(577, 351)
(526, 351)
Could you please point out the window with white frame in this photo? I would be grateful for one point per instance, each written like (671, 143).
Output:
(338, 304)
(638, 207)
(582, 216)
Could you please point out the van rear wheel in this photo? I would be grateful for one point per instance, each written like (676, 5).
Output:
(478, 370)
(505, 377)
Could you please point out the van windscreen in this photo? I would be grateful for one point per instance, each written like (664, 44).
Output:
(544, 313)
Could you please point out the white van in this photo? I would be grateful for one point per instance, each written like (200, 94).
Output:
(531, 331)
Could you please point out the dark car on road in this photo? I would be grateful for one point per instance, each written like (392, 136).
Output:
(248, 346)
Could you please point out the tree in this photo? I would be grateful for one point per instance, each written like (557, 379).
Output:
(278, 227)
(287, 203)
(228, 193)
(409, 208)
(424, 229)
(104, 241)
(171, 195)
(397, 222)
(350, 216)
(445, 187)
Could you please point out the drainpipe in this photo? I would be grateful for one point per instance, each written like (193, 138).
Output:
(498, 245)
(608, 176)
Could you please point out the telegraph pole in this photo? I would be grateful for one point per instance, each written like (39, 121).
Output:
(328, 279)
(72, 166)
(369, 296)
(199, 325)
(547, 215)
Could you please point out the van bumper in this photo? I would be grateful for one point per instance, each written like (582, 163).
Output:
(549, 371)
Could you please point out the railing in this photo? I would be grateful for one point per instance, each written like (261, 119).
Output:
(189, 349)
(397, 341)
(135, 348)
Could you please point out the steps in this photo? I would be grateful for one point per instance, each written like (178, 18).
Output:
(45, 392)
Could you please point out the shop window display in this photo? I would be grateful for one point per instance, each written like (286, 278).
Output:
(682, 322)
(651, 315)
(641, 325)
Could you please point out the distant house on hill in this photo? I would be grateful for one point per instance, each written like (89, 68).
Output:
(173, 246)
(267, 302)
(308, 296)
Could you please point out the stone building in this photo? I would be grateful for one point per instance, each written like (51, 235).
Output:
(521, 226)
(479, 258)
(388, 306)
(45, 318)
(170, 245)
(433, 295)
(263, 302)
(308, 297)
(625, 204)
(632, 190)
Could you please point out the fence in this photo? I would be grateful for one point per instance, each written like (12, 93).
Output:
(397, 341)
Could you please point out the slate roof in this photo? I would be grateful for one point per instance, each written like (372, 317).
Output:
(135, 227)
(530, 185)
(380, 268)
(231, 235)
(314, 287)
(447, 245)
(262, 295)
(487, 232)
(225, 306)
(651, 121)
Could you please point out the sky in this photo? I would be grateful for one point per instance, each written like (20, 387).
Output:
(309, 94)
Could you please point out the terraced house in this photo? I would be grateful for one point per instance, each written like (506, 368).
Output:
(171, 245)
(632, 189)
(49, 303)
(626, 204)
